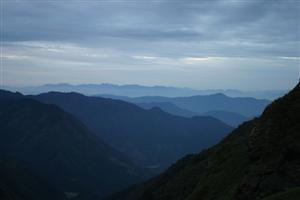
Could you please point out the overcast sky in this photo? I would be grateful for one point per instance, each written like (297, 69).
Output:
(199, 44)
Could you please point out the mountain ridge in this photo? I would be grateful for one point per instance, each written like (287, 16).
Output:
(135, 90)
(199, 104)
(59, 150)
(259, 159)
(151, 137)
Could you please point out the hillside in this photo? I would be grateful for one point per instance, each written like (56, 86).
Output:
(199, 104)
(241, 105)
(18, 182)
(152, 138)
(169, 108)
(230, 118)
(46, 151)
(258, 160)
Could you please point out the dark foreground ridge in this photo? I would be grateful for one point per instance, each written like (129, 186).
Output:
(46, 153)
(258, 160)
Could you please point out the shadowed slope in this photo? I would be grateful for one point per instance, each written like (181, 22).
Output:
(199, 104)
(231, 118)
(152, 138)
(257, 160)
(58, 150)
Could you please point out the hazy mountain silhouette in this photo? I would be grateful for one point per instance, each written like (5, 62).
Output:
(152, 138)
(105, 88)
(44, 148)
(140, 90)
(231, 118)
(169, 108)
(200, 104)
(258, 160)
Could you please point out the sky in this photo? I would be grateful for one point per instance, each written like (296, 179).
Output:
(217, 44)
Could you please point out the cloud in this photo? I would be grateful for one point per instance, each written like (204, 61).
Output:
(144, 57)
(78, 21)
(150, 36)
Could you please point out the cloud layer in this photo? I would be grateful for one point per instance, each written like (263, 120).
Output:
(200, 44)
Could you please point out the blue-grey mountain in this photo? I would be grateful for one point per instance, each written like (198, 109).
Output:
(258, 160)
(46, 153)
(169, 108)
(152, 138)
(201, 104)
(140, 90)
(231, 118)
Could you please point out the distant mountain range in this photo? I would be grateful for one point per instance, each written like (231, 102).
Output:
(231, 110)
(258, 160)
(46, 153)
(182, 105)
(231, 118)
(152, 138)
(167, 107)
(200, 104)
(139, 90)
